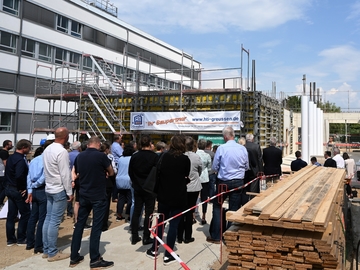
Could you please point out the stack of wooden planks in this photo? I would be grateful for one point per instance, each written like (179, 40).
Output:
(296, 224)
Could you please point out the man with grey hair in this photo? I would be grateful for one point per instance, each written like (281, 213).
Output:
(340, 163)
(255, 164)
(272, 157)
(230, 163)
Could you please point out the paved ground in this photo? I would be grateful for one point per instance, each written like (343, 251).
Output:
(115, 246)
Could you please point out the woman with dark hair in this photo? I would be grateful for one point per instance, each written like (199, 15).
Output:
(174, 169)
(193, 189)
(140, 166)
(204, 177)
(123, 182)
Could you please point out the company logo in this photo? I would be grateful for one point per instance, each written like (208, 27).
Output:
(138, 120)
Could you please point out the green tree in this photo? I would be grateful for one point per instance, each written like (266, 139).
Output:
(293, 103)
(328, 107)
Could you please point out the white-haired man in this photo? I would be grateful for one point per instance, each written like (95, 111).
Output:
(340, 163)
(230, 163)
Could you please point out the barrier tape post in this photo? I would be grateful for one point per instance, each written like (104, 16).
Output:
(157, 238)
(157, 217)
(154, 228)
(222, 189)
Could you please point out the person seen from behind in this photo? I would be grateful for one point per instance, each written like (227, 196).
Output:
(140, 166)
(298, 163)
(174, 170)
(123, 182)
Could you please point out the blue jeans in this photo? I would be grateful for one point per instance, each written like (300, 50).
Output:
(56, 205)
(99, 209)
(173, 226)
(212, 184)
(38, 213)
(234, 205)
(16, 203)
(133, 206)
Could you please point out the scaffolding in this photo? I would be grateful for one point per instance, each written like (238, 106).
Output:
(101, 104)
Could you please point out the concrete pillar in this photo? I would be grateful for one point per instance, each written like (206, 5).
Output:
(304, 128)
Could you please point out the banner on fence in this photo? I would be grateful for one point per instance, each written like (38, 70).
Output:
(185, 121)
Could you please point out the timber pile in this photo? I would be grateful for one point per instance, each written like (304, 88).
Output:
(296, 224)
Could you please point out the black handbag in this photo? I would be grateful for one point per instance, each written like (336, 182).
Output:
(151, 179)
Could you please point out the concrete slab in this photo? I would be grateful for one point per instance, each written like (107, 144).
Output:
(115, 246)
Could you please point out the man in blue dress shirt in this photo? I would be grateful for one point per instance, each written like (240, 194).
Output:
(230, 162)
(37, 198)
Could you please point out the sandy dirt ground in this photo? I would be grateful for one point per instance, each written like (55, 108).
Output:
(14, 254)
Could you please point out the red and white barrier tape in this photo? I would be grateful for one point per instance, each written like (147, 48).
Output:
(177, 258)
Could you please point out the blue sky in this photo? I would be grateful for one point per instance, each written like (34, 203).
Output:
(286, 38)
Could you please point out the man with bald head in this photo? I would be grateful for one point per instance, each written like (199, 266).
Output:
(58, 191)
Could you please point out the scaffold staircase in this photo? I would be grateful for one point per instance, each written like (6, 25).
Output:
(108, 73)
(103, 87)
(91, 123)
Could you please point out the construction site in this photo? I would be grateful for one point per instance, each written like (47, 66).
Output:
(97, 103)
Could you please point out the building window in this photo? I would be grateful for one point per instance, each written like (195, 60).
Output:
(75, 29)
(44, 52)
(28, 47)
(60, 56)
(5, 121)
(87, 64)
(62, 24)
(68, 26)
(11, 6)
(7, 42)
(119, 70)
(75, 58)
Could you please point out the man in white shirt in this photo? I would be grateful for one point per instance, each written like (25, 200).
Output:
(340, 163)
(58, 192)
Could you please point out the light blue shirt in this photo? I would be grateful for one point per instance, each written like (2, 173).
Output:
(231, 161)
(117, 151)
(122, 178)
(36, 176)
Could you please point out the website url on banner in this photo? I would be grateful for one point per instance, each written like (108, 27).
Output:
(215, 119)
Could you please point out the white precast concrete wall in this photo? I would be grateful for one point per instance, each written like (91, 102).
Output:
(318, 128)
(305, 128)
(322, 125)
(311, 115)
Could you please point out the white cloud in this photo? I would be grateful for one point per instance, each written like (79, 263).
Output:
(343, 96)
(355, 11)
(343, 60)
(212, 15)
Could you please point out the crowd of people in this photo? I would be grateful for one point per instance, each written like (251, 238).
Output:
(89, 176)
